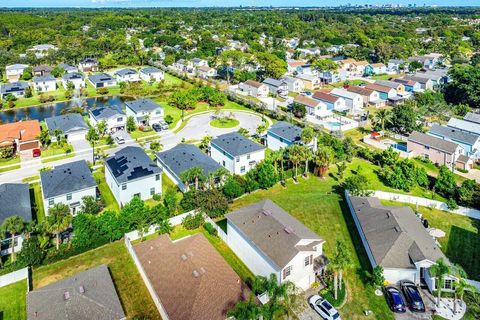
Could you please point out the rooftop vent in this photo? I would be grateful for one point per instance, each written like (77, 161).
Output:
(389, 214)
(184, 257)
(288, 230)
(202, 270)
(196, 274)
(266, 212)
(397, 229)
(81, 289)
(66, 295)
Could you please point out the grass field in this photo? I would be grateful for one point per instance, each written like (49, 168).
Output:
(13, 301)
(107, 195)
(135, 299)
(224, 123)
(38, 201)
(6, 162)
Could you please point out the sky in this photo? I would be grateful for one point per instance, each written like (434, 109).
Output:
(218, 3)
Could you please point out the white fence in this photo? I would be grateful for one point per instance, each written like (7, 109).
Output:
(221, 234)
(13, 277)
(469, 212)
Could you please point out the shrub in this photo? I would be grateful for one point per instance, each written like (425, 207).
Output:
(168, 119)
(102, 91)
(188, 202)
(193, 221)
(31, 254)
(109, 140)
(157, 197)
(451, 204)
(210, 229)
(46, 98)
(233, 188)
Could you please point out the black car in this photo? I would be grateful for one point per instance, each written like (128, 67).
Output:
(157, 127)
(412, 295)
(395, 300)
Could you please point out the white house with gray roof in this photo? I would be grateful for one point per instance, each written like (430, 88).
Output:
(17, 89)
(67, 183)
(113, 116)
(14, 72)
(283, 134)
(76, 78)
(130, 172)
(472, 117)
(464, 125)
(138, 109)
(395, 238)
(88, 294)
(151, 74)
(72, 125)
(236, 153)
(46, 83)
(183, 157)
(269, 240)
(276, 86)
(127, 75)
(102, 80)
(469, 142)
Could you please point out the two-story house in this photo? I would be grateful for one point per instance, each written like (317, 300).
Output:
(353, 101)
(14, 72)
(150, 74)
(469, 142)
(127, 75)
(88, 65)
(254, 88)
(333, 102)
(144, 111)
(102, 80)
(370, 96)
(44, 83)
(275, 86)
(113, 116)
(293, 84)
(283, 134)
(75, 78)
(16, 89)
(236, 153)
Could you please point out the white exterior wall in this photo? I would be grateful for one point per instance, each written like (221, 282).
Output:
(243, 161)
(157, 76)
(17, 248)
(140, 186)
(302, 276)
(128, 78)
(392, 93)
(45, 86)
(154, 116)
(78, 83)
(76, 197)
(274, 144)
(394, 276)
(111, 123)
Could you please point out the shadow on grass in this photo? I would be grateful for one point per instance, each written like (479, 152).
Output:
(464, 249)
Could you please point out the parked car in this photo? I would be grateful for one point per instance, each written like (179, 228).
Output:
(157, 127)
(120, 140)
(323, 308)
(395, 300)
(412, 296)
(164, 125)
(36, 153)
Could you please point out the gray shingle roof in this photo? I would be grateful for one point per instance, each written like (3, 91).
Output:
(131, 163)
(15, 201)
(66, 178)
(235, 144)
(73, 76)
(44, 78)
(472, 117)
(273, 82)
(125, 72)
(185, 156)
(106, 112)
(395, 236)
(286, 131)
(101, 77)
(142, 105)
(433, 142)
(68, 123)
(388, 83)
(67, 67)
(454, 134)
(13, 87)
(272, 230)
(150, 70)
(86, 295)
(464, 125)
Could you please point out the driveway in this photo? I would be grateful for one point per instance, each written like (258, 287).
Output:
(80, 145)
(429, 302)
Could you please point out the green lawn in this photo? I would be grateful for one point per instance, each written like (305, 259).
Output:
(141, 134)
(58, 94)
(461, 243)
(10, 168)
(37, 200)
(12, 160)
(134, 296)
(107, 195)
(13, 301)
(224, 123)
(59, 157)
(54, 150)
(315, 203)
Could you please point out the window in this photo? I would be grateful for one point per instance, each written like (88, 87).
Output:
(119, 119)
(287, 271)
(237, 159)
(248, 156)
(158, 112)
(138, 195)
(51, 202)
(152, 191)
(157, 177)
(69, 196)
(223, 163)
(308, 260)
(124, 186)
(448, 284)
(242, 169)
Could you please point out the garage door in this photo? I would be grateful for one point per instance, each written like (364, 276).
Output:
(28, 145)
(75, 136)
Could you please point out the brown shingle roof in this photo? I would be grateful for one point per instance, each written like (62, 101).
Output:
(23, 131)
(190, 277)
(296, 63)
(306, 101)
(319, 95)
(360, 90)
(253, 83)
(378, 87)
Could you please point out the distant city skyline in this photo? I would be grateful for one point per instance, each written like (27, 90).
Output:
(218, 3)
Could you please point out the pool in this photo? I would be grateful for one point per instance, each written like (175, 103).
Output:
(398, 146)
(332, 125)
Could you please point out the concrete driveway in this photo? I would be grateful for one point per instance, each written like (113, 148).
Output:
(80, 145)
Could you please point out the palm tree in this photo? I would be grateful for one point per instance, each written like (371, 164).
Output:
(460, 287)
(195, 174)
(277, 157)
(307, 155)
(146, 119)
(205, 144)
(13, 225)
(246, 310)
(295, 155)
(383, 117)
(221, 174)
(57, 133)
(439, 270)
(344, 260)
(58, 220)
(307, 135)
(102, 127)
(323, 158)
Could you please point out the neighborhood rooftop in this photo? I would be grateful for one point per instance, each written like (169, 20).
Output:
(72, 76)
(66, 178)
(235, 144)
(454, 134)
(45, 78)
(15, 200)
(67, 123)
(100, 77)
(286, 131)
(131, 163)
(106, 112)
(433, 142)
(125, 72)
(142, 105)
(472, 117)
(13, 87)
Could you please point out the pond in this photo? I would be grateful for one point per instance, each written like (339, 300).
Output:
(45, 111)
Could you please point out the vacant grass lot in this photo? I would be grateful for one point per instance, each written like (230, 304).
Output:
(13, 301)
(136, 300)
(315, 203)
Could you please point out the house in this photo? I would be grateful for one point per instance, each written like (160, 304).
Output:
(68, 68)
(88, 65)
(236, 153)
(398, 86)
(410, 85)
(375, 69)
(358, 67)
(113, 116)
(328, 77)
(68, 184)
(89, 294)
(295, 66)
(332, 102)
(437, 150)
(131, 173)
(429, 61)
(42, 50)
(14, 72)
(76, 78)
(72, 126)
(188, 279)
(14, 201)
(396, 65)
(182, 157)
(42, 70)
(46, 83)
(395, 238)
(151, 74)
(384, 92)
(346, 64)
(293, 84)
(16, 89)
(314, 107)
(127, 75)
(205, 72)
(425, 83)
(469, 142)
(270, 241)
(22, 135)
(439, 77)
(353, 101)
(182, 65)
(463, 125)
(144, 111)
(310, 81)
(472, 117)
(197, 63)
(283, 134)
(370, 97)
(254, 88)
(275, 86)
(102, 80)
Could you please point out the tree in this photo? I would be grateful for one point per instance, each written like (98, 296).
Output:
(377, 277)
(193, 174)
(461, 286)
(28, 92)
(445, 183)
(13, 226)
(299, 110)
(156, 146)
(464, 88)
(357, 185)
(295, 156)
(170, 201)
(131, 124)
(58, 220)
(265, 174)
(273, 66)
(90, 205)
(414, 66)
(233, 188)
(323, 158)
(102, 127)
(340, 261)
(32, 254)
(212, 202)
(246, 310)
(404, 119)
(44, 137)
(341, 168)
(439, 270)
(382, 117)
(183, 100)
(205, 143)
(57, 133)
(388, 157)
(325, 65)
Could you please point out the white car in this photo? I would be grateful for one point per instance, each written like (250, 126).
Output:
(119, 140)
(323, 308)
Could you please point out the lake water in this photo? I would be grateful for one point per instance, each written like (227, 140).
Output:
(57, 108)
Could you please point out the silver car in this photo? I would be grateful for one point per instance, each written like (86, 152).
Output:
(323, 308)
(120, 140)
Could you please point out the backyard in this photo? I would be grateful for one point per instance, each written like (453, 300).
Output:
(13, 301)
(106, 194)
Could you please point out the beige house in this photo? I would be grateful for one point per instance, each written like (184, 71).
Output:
(254, 88)
(310, 81)
(369, 96)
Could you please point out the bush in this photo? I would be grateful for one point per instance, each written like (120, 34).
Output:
(157, 197)
(234, 187)
(193, 221)
(210, 229)
(188, 202)
(102, 91)
(451, 204)
(31, 254)
(46, 98)
(168, 119)
(109, 140)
